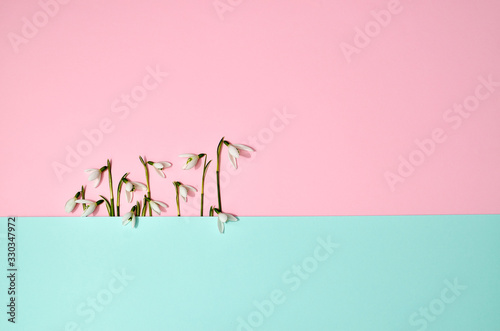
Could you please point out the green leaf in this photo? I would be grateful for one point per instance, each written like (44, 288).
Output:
(108, 205)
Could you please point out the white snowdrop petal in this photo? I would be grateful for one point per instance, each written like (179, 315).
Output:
(94, 175)
(231, 218)
(233, 151)
(191, 163)
(233, 161)
(140, 186)
(222, 217)
(160, 172)
(127, 215)
(191, 188)
(220, 225)
(244, 147)
(97, 181)
(183, 192)
(164, 205)
(129, 196)
(70, 205)
(90, 209)
(84, 201)
(187, 155)
(155, 207)
(166, 164)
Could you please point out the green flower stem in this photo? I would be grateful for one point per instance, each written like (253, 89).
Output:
(138, 209)
(176, 184)
(218, 188)
(147, 184)
(217, 172)
(144, 204)
(84, 205)
(205, 167)
(108, 205)
(118, 193)
(111, 193)
(149, 190)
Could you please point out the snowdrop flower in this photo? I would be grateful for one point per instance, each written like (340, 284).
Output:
(223, 218)
(129, 217)
(95, 175)
(131, 186)
(155, 205)
(183, 190)
(159, 166)
(71, 203)
(234, 151)
(146, 170)
(91, 206)
(119, 192)
(110, 205)
(191, 161)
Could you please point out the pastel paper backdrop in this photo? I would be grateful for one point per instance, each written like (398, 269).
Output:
(326, 273)
(354, 107)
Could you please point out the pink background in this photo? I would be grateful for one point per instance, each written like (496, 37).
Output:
(230, 71)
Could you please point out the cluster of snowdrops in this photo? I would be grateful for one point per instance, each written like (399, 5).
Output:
(146, 203)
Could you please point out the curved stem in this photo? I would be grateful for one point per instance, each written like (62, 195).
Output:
(218, 189)
(149, 190)
(205, 167)
(146, 169)
(217, 172)
(108, 205)
(118, 194)
(112, 196)
(203, 184)
(176, 184)
(144, 204)
(138, 209)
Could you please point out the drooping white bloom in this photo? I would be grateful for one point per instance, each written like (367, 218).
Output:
(155, 205)
(94, 175)
(70, 204)
(234, 152)
(191, 161)
(91, 206)
(159, 166)
(223, 218)
(183, 190)
(129, 217)
(131, 186)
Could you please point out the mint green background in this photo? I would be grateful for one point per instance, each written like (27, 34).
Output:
(190, 277)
